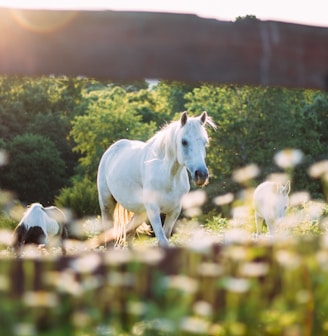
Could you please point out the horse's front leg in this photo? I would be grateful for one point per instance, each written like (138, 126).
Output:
(154, 216)
(170, 221)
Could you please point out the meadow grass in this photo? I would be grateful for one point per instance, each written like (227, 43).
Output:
(218, 277)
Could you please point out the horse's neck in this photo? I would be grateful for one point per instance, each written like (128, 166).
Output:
(162, 148)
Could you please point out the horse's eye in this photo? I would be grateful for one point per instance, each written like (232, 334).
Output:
(184, 142)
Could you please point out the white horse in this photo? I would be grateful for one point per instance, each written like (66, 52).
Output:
(38, 225)
(148, 179)
(270, 203)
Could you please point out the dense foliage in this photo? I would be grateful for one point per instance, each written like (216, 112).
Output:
(256, 123)
(55, 130)
(35, 169)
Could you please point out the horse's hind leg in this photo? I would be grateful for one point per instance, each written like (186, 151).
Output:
(110, 235)
(132, 225)
(270, 224)
(19, 236)
(258, 223)
(257, 219)
(107, 205)
(63, 237)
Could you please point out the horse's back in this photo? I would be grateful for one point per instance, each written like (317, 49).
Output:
(121, 150)
(34, 216)
(265, 188)
(120, 158)
(37, 216)
(56, 214)
(119, 172)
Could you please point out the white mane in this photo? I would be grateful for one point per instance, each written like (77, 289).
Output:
(163, 142)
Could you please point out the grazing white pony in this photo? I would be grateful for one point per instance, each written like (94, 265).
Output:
(38, 224)
(270, 203)
(139, 180)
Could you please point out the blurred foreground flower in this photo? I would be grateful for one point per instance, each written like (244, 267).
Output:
(4, 283)
(280, 178)
(299, 198)
(194, 325)
(288, 158)
(245, 174)
(224, 199)
(237, 285)
(319, 169)
(3, 158)
(254, 269)
(202, 308)
(40, 299)
(6, 237)
(181, 282)
(24, 329)
(237, 236)
(86, 263)
(192, 202)
(288, 259)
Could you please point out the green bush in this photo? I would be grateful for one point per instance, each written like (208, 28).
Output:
(7, 222)
(81, 198)
(35, 171)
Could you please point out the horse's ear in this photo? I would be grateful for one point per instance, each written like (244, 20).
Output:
(203, 118)
(183, 118)
(287, 188)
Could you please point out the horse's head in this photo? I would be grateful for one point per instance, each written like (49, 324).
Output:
(191, 146)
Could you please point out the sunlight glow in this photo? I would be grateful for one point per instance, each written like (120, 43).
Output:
(43, 22)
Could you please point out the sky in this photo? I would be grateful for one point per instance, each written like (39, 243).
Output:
(314, 12)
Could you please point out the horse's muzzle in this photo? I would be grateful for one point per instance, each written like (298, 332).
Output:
(201, 177)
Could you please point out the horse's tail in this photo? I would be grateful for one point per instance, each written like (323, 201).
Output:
(121, 217)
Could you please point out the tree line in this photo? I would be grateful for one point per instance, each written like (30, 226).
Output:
(55, 129)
